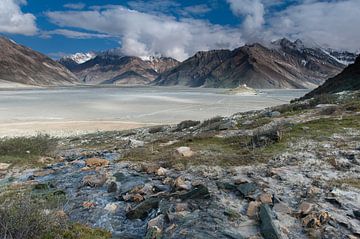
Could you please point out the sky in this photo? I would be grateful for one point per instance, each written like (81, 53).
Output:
(176, 28)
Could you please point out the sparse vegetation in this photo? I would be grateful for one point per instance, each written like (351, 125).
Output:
(26, 150)
(24, 216)
(353, 182)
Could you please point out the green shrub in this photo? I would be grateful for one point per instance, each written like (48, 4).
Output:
(21, 146)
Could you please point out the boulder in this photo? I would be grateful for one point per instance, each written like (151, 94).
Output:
(112, 188)
(94, 180)
(142, 210)
(199, 192)
(268, 228)
(184, 151)
(96, 162)
(246, 189)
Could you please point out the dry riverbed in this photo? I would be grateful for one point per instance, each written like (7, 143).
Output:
(73, 111)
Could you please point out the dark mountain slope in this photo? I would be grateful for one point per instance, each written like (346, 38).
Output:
(347, 80)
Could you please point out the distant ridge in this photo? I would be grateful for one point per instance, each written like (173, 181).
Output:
(112, 67)
(22, 65)
(347, 80)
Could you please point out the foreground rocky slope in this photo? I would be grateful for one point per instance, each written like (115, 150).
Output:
(284, 64)
(111, 67)
(286, 172)
(19, 64)
(348, 79)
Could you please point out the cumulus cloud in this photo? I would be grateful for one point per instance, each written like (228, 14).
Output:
(332, 23)
(13, 20)
(252, 11)
(144, 34)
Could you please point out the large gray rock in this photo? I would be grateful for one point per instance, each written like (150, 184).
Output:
(268, 228)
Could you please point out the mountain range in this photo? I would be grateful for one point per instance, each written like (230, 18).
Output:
(284, 64)
(21, 65)
(281, 64)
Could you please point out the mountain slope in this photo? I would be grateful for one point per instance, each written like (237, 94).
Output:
(19, 64)
(111, 67)
(348, 79)
(285, 65)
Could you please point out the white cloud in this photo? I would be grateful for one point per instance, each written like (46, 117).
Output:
(76, 6)
(143, 34)
(73, 34)
(252, 11)
(13, 20)
(200, 9)
(334, 23)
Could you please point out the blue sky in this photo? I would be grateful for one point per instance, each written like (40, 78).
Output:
(176, 28)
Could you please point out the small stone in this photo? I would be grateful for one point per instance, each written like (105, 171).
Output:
(305, 208)
(239, 181)
(43, 173)
(157, 222)
(161, 171)
(112, 188)
(4, 166)
(133, 197)
(281, 208)
(312, 191)
(253, 209)
(181, 184)
(96, 162)
(184, 151)
(88, 204)
(45, 160)
(180, 207)
(266, 198)
(133, 143)
(61, 214)
(111, 207)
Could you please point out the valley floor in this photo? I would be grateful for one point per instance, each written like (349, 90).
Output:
(291, 171)
(77, 110)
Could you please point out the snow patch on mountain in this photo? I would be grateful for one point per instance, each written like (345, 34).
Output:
(81, 58)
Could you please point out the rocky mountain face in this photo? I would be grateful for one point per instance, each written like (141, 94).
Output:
(111, 67)
(19, 64)
(347, 80)
(284, 64)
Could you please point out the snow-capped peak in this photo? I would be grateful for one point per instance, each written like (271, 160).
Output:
(80, 58)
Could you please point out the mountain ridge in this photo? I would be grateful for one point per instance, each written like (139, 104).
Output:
(284, 65)
(22, 65)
